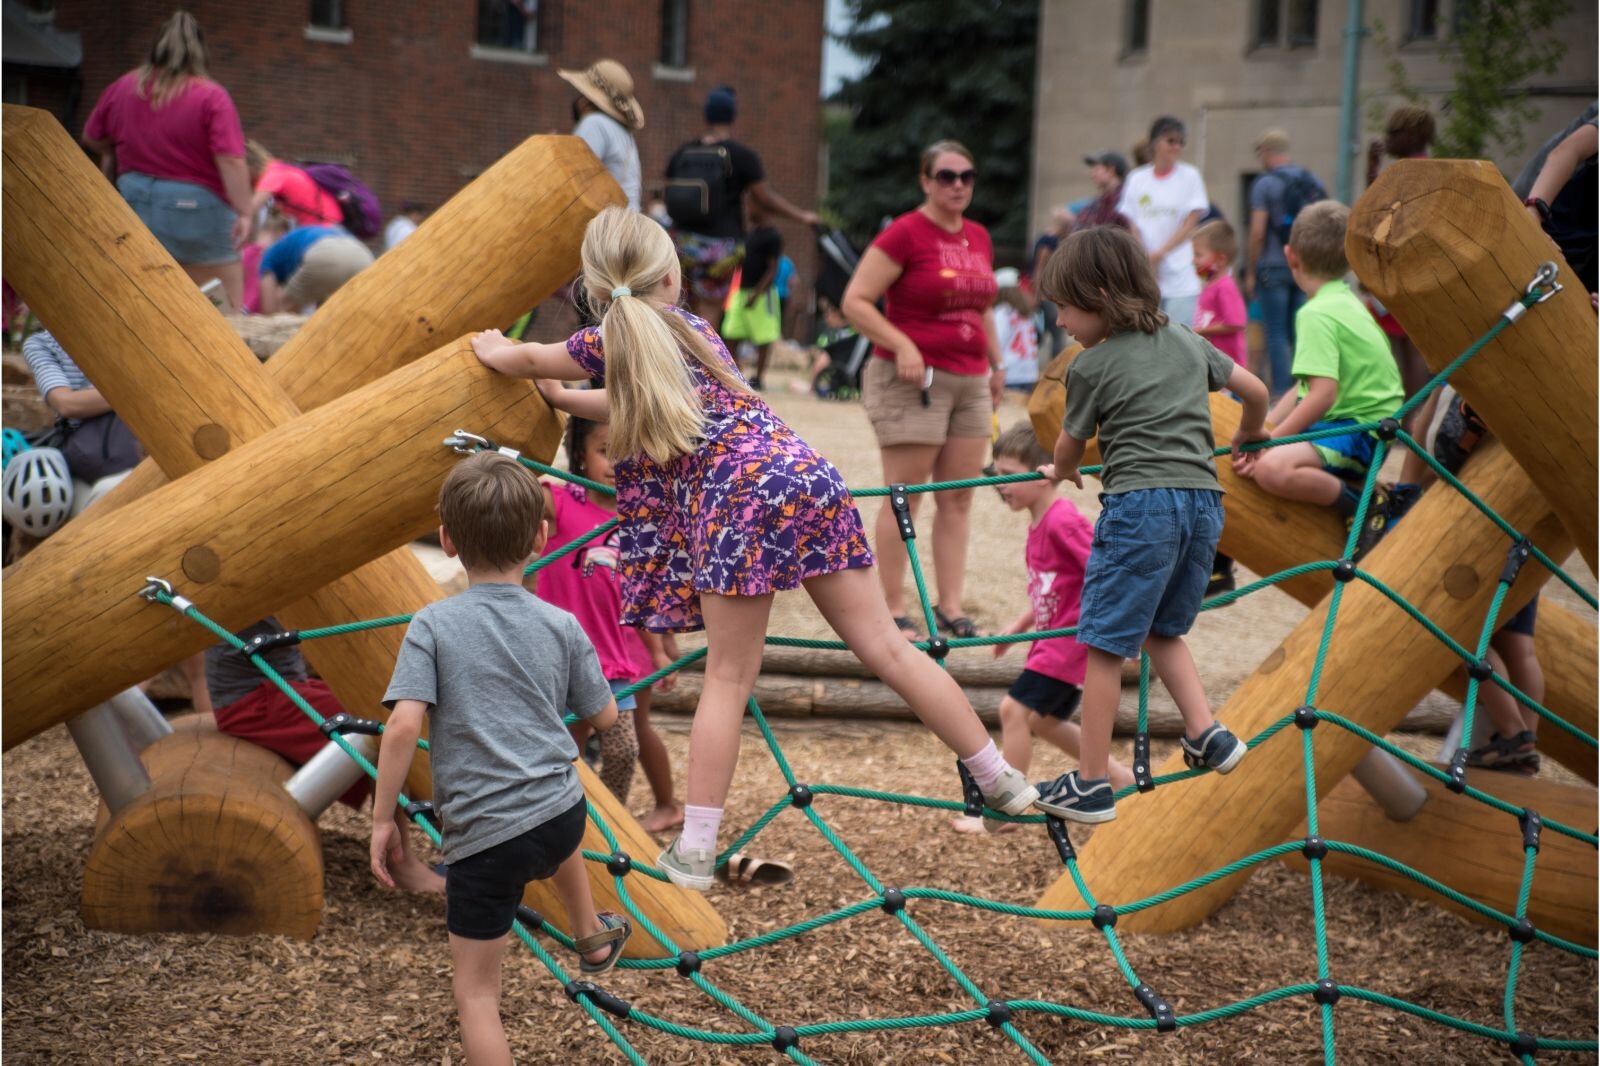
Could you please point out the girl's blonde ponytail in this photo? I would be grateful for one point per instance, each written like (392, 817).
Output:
(179, 53)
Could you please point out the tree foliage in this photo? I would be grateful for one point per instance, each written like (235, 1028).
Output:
(957, 69)
(1497, 46)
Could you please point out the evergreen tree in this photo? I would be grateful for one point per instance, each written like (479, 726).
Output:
(940, 69)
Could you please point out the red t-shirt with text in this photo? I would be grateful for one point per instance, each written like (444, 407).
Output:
(946, 284)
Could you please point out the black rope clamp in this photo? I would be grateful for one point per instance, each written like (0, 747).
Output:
(938, 647)
(1305, 716)
(343, 723)
(1105, 916)
(971, 794)
(1524, 1044)
(1388, 429)
(1344, 570)
(999, 1013)
(1327, 992)
(784, 1037)
(599, 997)
(800, 796)
(1532, 825)
(900, 503)
(894, 901)
(1480, 669)
(1458, 771)
(423, 809)
(1314, 848)
(619, 864)
(262, 643)
(1058, 836)
(531, 919)
(1141, 763)
(1519, 552)
(1159, 1008)
(1522, 932)
(688, 963)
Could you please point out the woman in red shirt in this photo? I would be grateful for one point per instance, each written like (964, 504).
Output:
(935, 380)
(170, 138)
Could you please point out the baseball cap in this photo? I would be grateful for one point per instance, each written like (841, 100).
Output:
(1114, 160)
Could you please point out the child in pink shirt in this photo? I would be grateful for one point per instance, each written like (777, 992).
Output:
(1219, 315)
(585, 584)
(1044, 698)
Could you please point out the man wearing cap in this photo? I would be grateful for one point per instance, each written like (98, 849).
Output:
(1266, 271)
(607, 115)
(707, 180)
(1106, 170)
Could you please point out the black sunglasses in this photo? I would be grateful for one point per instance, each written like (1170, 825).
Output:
(955, 177)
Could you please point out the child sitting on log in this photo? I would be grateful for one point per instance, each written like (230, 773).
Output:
(1344, 375)
(495, 668)
(1141, 385)
(1045, 695)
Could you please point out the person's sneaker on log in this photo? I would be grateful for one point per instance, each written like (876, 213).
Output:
(1074, 799)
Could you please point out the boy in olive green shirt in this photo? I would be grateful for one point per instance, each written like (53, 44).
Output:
(1345, 375)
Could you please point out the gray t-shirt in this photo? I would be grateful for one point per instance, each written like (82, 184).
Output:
(614, 146)
(498, 667)
(1145, 396)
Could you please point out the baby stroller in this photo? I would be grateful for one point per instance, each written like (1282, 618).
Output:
(846, 350)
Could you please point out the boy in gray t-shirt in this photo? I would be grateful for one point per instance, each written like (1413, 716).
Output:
(1142, 387)
(494, 668)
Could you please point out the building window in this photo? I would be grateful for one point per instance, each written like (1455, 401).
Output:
(1465, 13)
(1422, 21)
(1136, 26)
(327, 14)
(510, 25)
(1284, 24)
(675, 33)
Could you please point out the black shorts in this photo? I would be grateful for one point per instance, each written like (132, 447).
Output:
(482, 891)
(1046, 695)
(1524, 620)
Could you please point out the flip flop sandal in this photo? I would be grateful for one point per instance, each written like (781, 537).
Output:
(1514, 754)
(742, 869)
(616, 932)
(960, 627)
(907, 627)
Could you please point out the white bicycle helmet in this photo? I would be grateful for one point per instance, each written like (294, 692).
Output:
(36, 491)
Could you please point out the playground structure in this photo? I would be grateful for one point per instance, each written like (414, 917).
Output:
(289, 471)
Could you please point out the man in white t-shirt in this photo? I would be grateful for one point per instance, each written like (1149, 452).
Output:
(607, 116)
(1165, 200)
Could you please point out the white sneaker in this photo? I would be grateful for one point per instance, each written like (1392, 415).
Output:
(1011, 794)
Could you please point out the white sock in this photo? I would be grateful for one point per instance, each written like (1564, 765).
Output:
(700, 826)
(986, 765)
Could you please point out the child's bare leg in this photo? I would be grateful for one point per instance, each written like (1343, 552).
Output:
(1413, 471)
(476, 981)
(763, 354)
(410, 872)
(1102, 691)
(736, 631)
(1501, 707)
(657, 766)
(1068, 737)
(1016, 741)
(851, 602)
(572, 886)
(1170, 658)
(1522, 670)
(1294, 471)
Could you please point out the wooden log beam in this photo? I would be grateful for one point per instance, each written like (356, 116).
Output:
(1535, 385)
(1269, 534)
(1444, 559)
(1473, 848)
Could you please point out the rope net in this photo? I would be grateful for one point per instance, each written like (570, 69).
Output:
(990, 1008)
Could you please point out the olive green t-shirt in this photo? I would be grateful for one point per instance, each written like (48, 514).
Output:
(1146, 396)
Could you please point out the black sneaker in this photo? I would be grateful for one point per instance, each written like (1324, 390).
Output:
(1222, 579)
(1216, 748)
(1066, 798)
(1377, 523)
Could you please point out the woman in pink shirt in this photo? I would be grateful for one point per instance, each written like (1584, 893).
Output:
(291, 190)
(170, 138)
(935, 380)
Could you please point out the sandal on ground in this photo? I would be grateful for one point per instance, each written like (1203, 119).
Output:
(960, 627)
(907, 627)
(615, 934)
(1514, 754)
(742, 869)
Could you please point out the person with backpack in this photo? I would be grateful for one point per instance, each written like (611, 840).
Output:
(707, 180)
(1277, 197)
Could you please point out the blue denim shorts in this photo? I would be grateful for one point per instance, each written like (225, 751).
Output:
(191, 222)
(629, 702)
(1149, 567)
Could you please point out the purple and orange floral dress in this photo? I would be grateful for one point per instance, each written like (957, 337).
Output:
(753, 510)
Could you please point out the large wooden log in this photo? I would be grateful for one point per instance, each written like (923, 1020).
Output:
(1535, 385)
(1269, 534)
(1445, 560)
(1473, 848)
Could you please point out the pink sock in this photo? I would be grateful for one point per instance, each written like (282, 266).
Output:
(987, 764)
(700, 828)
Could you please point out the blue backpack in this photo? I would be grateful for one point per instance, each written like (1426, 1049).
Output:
(1300, 187)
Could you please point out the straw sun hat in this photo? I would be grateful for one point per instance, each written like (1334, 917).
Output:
(608, 86)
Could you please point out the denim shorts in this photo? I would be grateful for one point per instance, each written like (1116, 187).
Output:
(1347, 456)
(629, 702)
(1149, 567)
(191, 222)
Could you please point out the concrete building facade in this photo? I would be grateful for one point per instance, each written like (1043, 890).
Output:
(1232, 68)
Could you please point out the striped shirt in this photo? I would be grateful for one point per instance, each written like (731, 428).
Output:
(52, 367)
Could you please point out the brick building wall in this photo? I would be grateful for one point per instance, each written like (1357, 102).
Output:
(415, 110)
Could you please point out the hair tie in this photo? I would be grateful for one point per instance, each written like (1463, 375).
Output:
(621, 290)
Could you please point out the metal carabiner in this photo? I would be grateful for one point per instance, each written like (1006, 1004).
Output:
(153, 587)
(1546, 276)
(465, 443)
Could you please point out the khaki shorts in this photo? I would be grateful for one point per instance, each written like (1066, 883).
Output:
(328, 264)
(958, 406)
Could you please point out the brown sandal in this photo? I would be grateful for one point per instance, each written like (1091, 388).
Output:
(961, 627)
(742, 869)
(616, 932)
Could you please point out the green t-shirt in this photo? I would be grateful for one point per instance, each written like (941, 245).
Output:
(1145, 396)
(1336, 337)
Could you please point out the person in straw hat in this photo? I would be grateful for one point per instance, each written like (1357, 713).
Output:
(607, 114)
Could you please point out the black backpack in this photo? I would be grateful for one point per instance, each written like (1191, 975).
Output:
(698, 185)
(1300, 187)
